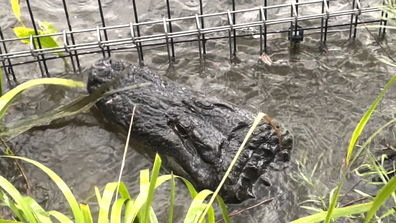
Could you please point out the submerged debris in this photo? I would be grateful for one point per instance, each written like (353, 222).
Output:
(266, 59)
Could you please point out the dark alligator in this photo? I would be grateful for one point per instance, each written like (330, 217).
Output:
(196, 136)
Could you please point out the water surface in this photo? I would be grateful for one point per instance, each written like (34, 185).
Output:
(318, 93)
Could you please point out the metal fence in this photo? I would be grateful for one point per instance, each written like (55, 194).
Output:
(138, 42)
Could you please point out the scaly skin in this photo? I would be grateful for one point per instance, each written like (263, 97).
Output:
(196, 136)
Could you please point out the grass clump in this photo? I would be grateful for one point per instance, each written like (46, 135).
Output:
(125, 208)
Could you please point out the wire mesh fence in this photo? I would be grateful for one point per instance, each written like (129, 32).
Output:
(264, 24)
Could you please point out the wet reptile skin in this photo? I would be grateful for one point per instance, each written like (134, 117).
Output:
(196, 136)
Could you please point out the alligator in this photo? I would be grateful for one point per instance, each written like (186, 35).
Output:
(195, 135)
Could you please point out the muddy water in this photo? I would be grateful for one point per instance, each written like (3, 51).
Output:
(318, 93)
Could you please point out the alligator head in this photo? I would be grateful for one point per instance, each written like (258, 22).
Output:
(196, 136)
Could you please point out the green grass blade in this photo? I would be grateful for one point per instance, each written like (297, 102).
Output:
(355, 136)
(123, 191)
(338, 212)
(381, 197)
(257, 120)
(116, 210)
(223, 207)
(61, 184)
(11, 204)
(41, 214)
(172, 198)
(153, 182)
(60, 217)
(98, 197)
(1, 83)
(197, 207)
(9, 221)
(104, 205)
(128, 209)
(153, 216)
(6, 99)
(76, 106)
(211, 215)
(27, 211)
(144, 178)
(363, 121)
(86, 213)
(333, 202)
(17, 10)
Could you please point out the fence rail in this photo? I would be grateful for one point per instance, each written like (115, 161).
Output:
(201, 34)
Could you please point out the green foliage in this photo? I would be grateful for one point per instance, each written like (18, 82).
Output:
(9, 97)
(17, 10)
(24, 32)
(1, 83)
(131, 210)
(76, 106)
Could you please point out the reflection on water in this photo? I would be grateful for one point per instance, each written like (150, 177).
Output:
(318, 93)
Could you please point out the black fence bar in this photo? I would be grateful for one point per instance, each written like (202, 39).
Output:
(104, 25)
(170, 29)
(71, 37)
(356, 17)
(382, 15)
(265, 27)
(157, 45)
(350, 29)
(38, 43)
(234, 31)
(261, 29)
(3, 63)
(202, 26)
(138, 31)
(386, 21)
(69, 26)
(327, 20)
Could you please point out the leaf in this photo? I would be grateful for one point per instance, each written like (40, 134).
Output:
(42, 215)
(60, 217)
(106, 201)
(358, 130)
(153, 180)
(17, 10)
(223, 207)
(1, 83)
(381, 197)
(78, 215)
(46, 42)
(338, 212)
(172, 199)
(78, 105)
(197, 207)
(47, 27)
(86, 213)
(17, 197)
(7, 99)
(116, 210)
(11, 204)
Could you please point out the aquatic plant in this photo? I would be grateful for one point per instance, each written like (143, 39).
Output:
(125, 207)
(1, 83)
(25, 33)
(7, 99)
